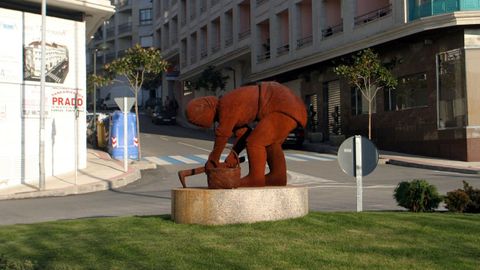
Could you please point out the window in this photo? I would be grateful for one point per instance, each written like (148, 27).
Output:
(411, 92)
(145, 16)
(360, 103)
(451, 89)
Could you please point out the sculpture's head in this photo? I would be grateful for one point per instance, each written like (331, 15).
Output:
(201, 111)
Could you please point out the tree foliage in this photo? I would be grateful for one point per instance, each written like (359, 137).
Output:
(211, 80)
(136, 66)
(367, 73)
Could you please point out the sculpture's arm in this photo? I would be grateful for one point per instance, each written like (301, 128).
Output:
(222, 134)
(241, 135)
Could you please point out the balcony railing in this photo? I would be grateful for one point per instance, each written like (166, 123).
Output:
(228, 41)
(123, 3)
(305, 41)
(125, 27)
(332, 30)
(283, 49)
(174, 40)
(109, 57)
(203, 53)
(261, 2)
(216, 48)
(110, 32)
(436, 7)
(244, 34)
(263, 56)
(121, 53)
(373, 15)
(98, 37)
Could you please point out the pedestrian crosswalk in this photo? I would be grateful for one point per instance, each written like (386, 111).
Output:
(202, 158)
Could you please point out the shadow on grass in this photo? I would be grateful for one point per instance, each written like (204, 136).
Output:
(164, 217)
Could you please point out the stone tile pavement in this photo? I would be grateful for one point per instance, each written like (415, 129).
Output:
(102, 173)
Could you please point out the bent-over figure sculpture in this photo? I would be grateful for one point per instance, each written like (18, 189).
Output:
(277, 111)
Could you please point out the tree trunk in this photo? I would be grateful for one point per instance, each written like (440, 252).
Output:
(138, 125)
(370, 120)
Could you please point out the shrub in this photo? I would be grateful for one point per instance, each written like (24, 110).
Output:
(457, 200)
(417, 195)
(9, 264)
(474, 195)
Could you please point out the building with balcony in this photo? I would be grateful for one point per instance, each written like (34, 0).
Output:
(131, 24)
(433, 44)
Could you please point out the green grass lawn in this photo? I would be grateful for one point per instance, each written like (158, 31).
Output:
(379, 240)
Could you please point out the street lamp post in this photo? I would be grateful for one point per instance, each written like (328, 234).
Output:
(102, 48)
(95, 99)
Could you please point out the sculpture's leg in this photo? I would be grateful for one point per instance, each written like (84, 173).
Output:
(271, 130)
(278, 168)
(257, 156)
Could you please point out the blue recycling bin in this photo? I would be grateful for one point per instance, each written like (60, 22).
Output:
(115, 139)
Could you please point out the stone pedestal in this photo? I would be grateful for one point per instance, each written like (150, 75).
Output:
(243, 205)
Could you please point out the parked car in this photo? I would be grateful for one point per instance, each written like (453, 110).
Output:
(161, 116)
(295, 138)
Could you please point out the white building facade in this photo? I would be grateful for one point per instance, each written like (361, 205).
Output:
(68, 24)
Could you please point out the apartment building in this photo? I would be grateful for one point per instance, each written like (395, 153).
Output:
(433, 44)
(131, 24)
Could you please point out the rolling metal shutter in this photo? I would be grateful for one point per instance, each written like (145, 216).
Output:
(333, 101)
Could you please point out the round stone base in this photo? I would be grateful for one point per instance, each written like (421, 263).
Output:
(242, 205)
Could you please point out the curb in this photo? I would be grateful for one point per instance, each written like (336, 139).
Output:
(116, 182)
(431, 166)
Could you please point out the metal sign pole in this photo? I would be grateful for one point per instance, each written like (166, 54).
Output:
(358, 172)
(125, 136)
(76, 136)
(41, 180)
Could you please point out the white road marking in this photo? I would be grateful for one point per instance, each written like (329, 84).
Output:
(184, 159)
(157, 161)
(316, 157)
(287, 157)
(196, 147)
(205, 157)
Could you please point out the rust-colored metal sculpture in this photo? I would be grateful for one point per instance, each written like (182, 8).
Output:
(221, 177)
(276, 109)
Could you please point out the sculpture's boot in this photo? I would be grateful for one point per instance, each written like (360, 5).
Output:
(257, 156)
(278, 168)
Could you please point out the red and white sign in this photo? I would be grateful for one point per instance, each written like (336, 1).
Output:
(114, 142)
(66, 100)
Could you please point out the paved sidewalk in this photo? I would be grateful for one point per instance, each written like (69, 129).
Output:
(394, 158)
(102, 173)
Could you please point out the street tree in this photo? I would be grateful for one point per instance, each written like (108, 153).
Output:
(211, 80)
(367, 73)
(135, 66)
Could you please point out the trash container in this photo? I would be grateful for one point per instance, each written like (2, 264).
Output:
(102, 134)
(115, 141)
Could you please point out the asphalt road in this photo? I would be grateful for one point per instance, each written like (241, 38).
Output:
(329, 188)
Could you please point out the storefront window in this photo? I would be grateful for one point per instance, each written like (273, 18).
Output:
(451, 89)
(410, 92)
